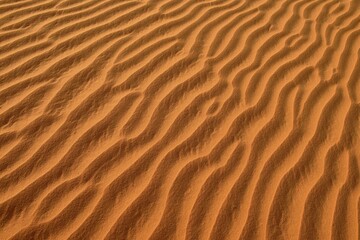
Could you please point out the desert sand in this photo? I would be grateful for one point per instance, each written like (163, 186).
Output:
(175, 119)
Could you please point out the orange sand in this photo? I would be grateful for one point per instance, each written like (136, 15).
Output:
(174, 119)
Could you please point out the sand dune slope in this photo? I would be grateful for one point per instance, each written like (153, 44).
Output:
(174, 119)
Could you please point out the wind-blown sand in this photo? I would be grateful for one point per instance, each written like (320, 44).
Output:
(174, 119)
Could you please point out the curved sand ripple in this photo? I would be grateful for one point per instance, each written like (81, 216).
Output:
(170, 119)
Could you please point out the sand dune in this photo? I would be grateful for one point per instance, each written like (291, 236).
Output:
(170, 119)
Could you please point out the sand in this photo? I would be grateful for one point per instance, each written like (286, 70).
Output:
(174, 119)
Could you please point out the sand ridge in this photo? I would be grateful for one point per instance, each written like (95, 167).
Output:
(172, 119)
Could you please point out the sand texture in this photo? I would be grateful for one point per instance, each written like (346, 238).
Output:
(180, 119)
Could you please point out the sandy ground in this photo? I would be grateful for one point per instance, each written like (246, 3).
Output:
(174, 119)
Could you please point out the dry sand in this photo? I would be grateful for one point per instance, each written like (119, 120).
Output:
(174, 119)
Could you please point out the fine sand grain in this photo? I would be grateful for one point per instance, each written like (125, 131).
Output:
(175, 119)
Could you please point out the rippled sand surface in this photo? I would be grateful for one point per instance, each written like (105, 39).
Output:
(174, 119)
